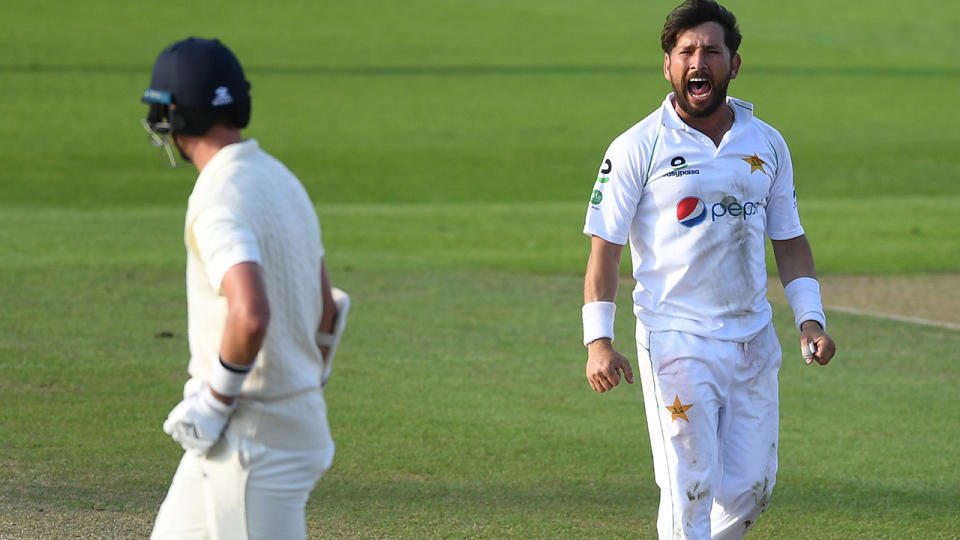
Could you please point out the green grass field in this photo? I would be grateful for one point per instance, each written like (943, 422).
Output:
(451, 148)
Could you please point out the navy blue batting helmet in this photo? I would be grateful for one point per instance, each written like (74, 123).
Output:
(195, 83)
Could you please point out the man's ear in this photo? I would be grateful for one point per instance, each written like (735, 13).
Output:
(735, 66)
(666, 67)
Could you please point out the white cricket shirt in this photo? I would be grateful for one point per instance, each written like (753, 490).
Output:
(246, 206)
(696, 216)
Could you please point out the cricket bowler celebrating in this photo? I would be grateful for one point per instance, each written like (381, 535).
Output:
(263, 321)
(695, 187)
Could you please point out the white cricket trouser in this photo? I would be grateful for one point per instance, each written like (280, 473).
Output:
(246, 488)
(712, 410)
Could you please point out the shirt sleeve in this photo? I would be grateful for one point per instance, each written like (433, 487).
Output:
(616, 194)
(222, 240)
(783, 217)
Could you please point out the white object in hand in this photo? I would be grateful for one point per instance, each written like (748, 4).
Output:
(198, 421)
(332, 340)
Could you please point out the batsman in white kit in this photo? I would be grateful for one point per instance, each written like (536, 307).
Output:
(263, 321)
(695, 188)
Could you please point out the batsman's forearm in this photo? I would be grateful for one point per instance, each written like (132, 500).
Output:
(248, 313)
(243, 335)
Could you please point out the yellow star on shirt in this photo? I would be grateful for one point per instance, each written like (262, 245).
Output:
(679, 410)
(755, 163)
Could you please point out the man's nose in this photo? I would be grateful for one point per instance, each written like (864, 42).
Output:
(699, 60)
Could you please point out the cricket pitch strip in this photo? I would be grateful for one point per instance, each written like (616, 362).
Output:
(932, 299)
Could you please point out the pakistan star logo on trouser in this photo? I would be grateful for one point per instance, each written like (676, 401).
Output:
(679, 410)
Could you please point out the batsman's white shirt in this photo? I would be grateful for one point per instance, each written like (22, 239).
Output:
(246, 206)
(696, 216)
(254, 483)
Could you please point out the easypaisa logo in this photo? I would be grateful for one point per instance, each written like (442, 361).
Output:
(680, 167)
(692, 211)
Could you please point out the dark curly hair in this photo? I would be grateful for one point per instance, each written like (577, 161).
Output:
(694, 13)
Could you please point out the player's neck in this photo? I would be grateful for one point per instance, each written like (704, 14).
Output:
(202, 149)
(714, 126)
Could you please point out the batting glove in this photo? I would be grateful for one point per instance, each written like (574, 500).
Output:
(198, 421)
(193, 386)
(331, 340)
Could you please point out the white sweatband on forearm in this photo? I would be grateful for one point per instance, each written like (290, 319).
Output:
(803, 293)
(598, 321)
(226, 379)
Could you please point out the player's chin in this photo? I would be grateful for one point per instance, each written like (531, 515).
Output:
(695, 110)
(702, 106)
(701, 102)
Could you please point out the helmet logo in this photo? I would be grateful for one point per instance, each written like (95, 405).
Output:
(222, 97)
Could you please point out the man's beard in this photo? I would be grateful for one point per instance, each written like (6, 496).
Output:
(718, 96)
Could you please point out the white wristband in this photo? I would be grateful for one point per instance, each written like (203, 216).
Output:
(226, 379)
(211, 406)
(598, 321)
(803, 294)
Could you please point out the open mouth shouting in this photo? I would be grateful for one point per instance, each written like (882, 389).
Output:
(701, 95)
(699, 89)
